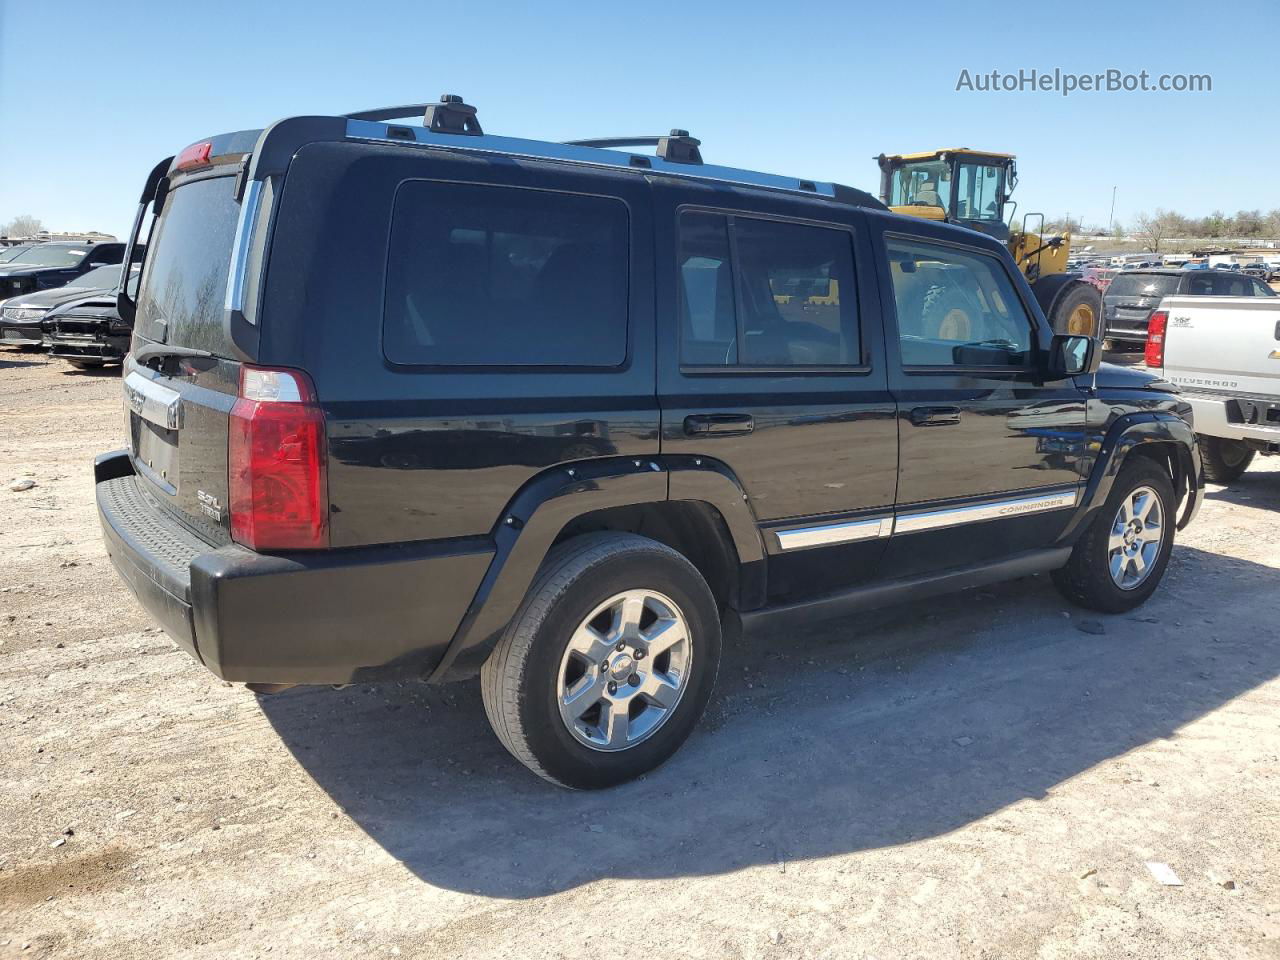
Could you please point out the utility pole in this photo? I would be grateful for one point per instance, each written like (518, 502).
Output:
(1112, 218)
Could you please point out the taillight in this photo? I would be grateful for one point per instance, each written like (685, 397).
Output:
(277, 463)
(1155, 338)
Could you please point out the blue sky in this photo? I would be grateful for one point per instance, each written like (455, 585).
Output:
(93, 93)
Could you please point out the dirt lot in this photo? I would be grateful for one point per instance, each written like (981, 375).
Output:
(987, 776)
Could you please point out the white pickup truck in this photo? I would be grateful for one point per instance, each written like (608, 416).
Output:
(1224, 355)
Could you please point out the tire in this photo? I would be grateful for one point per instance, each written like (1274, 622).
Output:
(1224, 460)
(1078, 311)
(533, 666)
(949, 313)
(1087, 579)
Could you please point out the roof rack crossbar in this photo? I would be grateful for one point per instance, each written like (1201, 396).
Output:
(677, 146)
(388, 113)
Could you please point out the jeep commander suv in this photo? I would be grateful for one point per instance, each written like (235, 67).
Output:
(410, 400)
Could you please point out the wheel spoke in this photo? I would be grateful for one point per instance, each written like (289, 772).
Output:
(1117, 566)
(588, 642)
(616, 723)
(660, 692)
(584, 694)
(1142, 505)
(630, 613)
(664, 635)
(1115, 541)
(1139, 561)
(1126, 510)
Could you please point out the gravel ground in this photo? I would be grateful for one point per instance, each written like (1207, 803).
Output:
(988, 776)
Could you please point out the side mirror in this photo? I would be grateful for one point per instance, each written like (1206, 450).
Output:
(1071, 355)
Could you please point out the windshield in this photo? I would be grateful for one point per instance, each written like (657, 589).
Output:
(99, 278)
(8, 253)
(921, 185)
(978, 192)
(47, 255)
(1142, 285)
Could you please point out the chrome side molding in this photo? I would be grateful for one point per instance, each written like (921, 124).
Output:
(850, 531)
(997, 510)
(846, 531)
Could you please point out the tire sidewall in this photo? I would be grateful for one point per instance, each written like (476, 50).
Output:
(569, 761)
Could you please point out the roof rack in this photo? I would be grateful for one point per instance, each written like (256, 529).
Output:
(677, 147)
(450, 115)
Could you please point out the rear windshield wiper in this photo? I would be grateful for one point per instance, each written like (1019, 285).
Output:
(154, 351)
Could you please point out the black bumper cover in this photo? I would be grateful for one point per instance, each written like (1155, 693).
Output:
(337, 616)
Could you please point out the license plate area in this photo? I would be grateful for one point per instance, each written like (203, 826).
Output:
(156, 454)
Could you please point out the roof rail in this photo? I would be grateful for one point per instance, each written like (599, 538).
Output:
(676, 147)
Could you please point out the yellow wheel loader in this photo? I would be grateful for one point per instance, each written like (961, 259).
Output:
(971, 188)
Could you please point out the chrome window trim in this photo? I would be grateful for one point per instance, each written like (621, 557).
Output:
(994, 510)
(236, 278)
(824, 534)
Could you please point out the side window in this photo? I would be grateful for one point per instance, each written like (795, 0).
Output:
(1226, 286)
(1260, 289)
(105, 254)
(505, 276)
(956, 308)
(784, 298)
(1200, 286)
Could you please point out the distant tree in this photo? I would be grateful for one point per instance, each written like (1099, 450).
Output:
(1154, 229)
(1118, 230)
(22, 226)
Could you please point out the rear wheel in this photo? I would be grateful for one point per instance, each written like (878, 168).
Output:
(607, 666)
(1224, 460)
(1119, 561)
(1077, 311)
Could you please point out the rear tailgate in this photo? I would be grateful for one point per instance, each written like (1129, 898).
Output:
(179, 406)
(1223, 344)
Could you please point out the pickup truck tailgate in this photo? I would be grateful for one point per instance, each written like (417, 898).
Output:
(1223, 344)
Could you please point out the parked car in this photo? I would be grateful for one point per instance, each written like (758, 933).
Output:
(8, 253)
(87, 332)
(20, 316)
(47, 265)
(797, 403)
(1130, 299)
(1222, 354)
(1259, 270)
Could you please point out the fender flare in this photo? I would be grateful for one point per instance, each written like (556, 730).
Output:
(1122, 438)
(546, 504)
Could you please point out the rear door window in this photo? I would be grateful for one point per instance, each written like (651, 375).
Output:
(784, 298)
(505, 276)
(185, 279)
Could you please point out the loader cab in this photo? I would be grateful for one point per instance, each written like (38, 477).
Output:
(959, 186)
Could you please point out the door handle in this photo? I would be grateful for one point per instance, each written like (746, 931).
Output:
(719, 424)
(935, 416)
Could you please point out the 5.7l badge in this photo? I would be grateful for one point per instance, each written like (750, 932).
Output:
(210, 506)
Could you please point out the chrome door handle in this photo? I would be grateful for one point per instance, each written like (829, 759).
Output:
(935, 416)
(719, 424)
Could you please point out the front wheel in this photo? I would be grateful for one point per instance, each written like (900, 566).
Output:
(1078, 311)
(604, 671)
(1224, 460)
(1119, 560)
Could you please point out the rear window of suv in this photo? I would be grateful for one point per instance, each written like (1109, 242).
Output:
(1143, 285)
(505, 276)
(185, 279)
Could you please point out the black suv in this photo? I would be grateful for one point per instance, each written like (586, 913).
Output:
(565, 412)
(47, 265)
(1134, 295)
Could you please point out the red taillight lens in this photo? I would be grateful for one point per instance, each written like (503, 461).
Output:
(1155, 338)
(196, 155)
(277, 463)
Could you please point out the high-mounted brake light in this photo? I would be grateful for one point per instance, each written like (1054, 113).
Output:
(277, 463)
(1155, 338)
(196, 155)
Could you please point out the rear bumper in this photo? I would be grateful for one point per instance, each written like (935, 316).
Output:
(1218, 417)
(336, 616)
